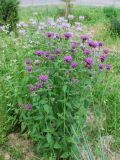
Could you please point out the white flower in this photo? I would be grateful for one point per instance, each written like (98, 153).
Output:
(70, 17)
(81, 17)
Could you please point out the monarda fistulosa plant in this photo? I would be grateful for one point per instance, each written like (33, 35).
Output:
(59, 77)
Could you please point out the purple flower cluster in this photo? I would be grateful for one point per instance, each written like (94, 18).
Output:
(93, 43)
(94, 54)
(27, 106)
(69, 59)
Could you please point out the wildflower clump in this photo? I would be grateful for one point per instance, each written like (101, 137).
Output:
(60, 73)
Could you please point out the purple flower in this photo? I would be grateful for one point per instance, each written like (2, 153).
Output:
(65, 25)
(74, 44)
(100, 44)
(43, 78)
(103, 57)
(22, 31)
(106, 50)
(70, 17)
(74, 80)
(87, 51)
(39, 52)
(29, 68)
(28, 61)
(68, 35)
(28, 106)
(81, 17)
(57, 35)
(74, 64)
(57, 50)
(68, 58)
(101, 66)
(47, 53)
(84, 37)
(108, 66)
(50, 34)
(93, 43)
(39, 85)
(88, 61)
(32, 87)
(52, 57)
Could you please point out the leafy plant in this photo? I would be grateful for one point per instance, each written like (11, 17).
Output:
(9, 13)
(110, 12)
(115, 27)
(55, 89)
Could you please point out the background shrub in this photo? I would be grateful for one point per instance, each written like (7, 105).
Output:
(9, 13)
(115, 27)
(110, 12)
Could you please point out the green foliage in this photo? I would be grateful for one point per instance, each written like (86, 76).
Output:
(9, 13)
(110, 12)
(115, 27)
(13, 53)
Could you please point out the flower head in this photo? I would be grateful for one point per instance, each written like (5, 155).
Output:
(39, 52)
(87, 51)
(52, 57)
(93, 43)
(100, 44)
(74, 64)
(50, 34)
(108, 66)
(81, 17)
(74, 44)
(88, 61)
(106, 50)
(103, 57)
(57, 50)
(32, 87)
(84, 37)
(39, 85)
(101, 66)
(43, 78)
(70, 17)
(68, 58)
(28, 106)
(57, 35)
(28, 61)
(68, 35)
(29, 68)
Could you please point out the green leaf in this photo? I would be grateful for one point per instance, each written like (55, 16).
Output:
(46, 108)
(50, 139)
(64, 88)
(57, 145)
(65, 155)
